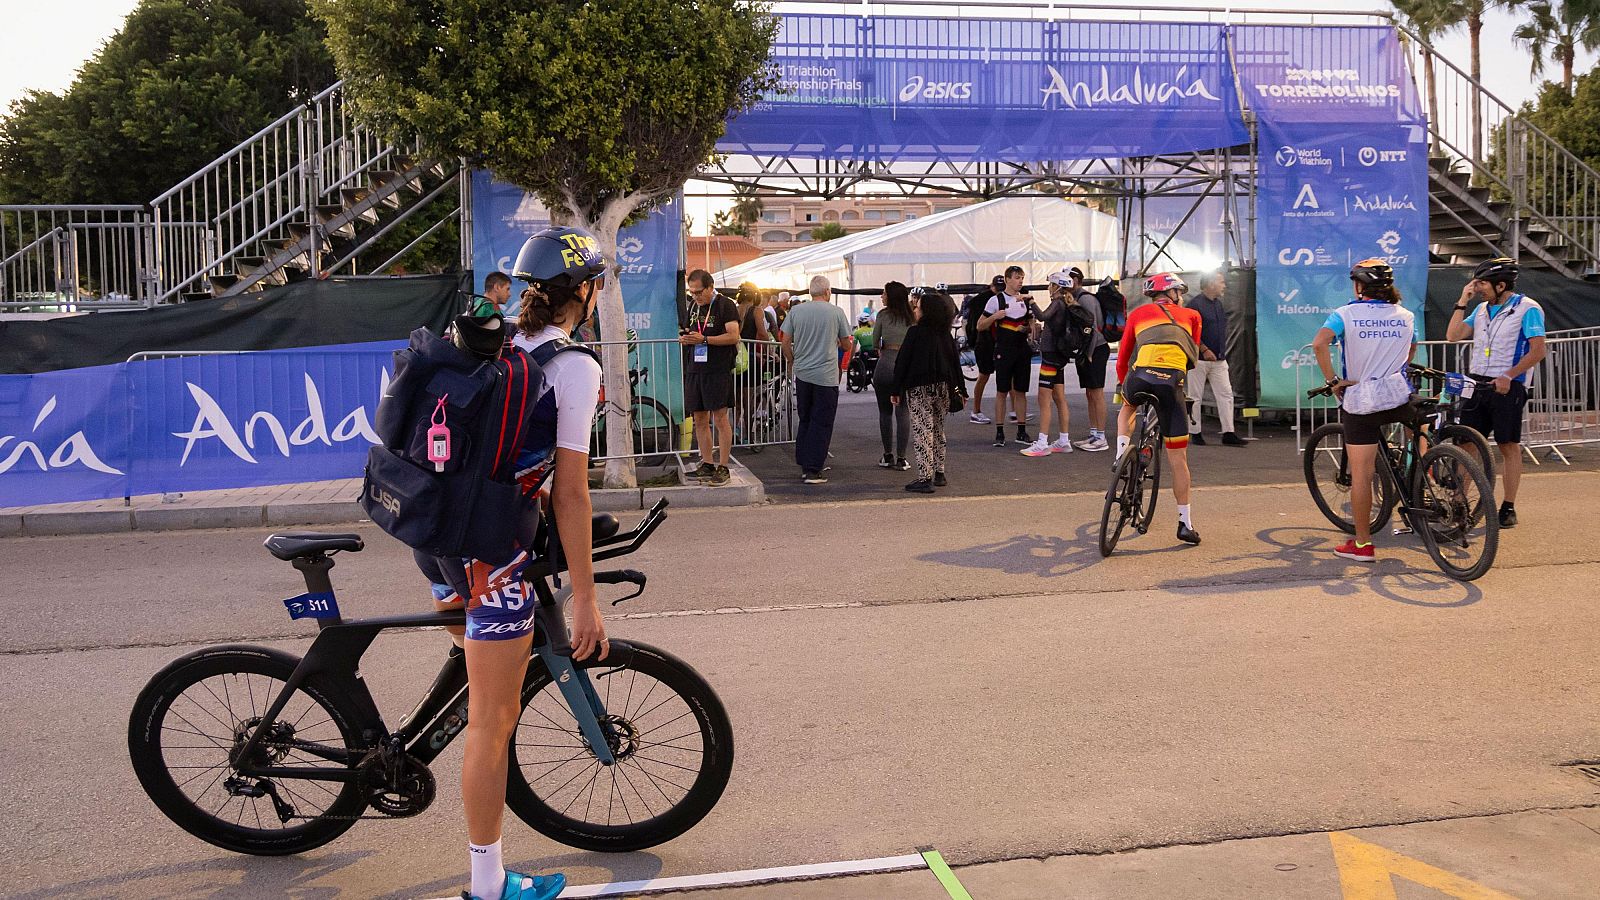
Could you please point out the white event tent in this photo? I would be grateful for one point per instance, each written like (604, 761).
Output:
(968, 245)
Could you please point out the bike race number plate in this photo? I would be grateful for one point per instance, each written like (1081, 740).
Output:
(313, 606)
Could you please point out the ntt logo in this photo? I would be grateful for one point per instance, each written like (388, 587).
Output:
(917, 86)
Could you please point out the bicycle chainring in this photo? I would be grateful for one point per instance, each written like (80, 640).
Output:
(395, 783)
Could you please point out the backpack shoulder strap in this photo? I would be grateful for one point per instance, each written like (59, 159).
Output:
(547, 351)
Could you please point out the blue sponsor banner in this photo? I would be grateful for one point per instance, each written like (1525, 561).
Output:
(503, 216)
(912, 88)
(190, 423)
(1330, 196)
(1342, 177)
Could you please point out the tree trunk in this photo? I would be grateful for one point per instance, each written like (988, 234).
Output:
(1475, 30)
(620, 470)
(1567, 54)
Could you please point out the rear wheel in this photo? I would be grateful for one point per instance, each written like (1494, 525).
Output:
(1456, 518)
(1121, 501)
(1327, 472)
(197, 711)
(653, 431)
(1149, 487)
(671, 739)
(1465, 437)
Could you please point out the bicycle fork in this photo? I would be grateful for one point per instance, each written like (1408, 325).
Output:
(582, 700)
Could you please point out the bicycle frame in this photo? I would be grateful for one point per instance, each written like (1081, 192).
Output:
(335, 659)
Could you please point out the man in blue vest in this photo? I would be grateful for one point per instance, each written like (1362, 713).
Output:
(1507, 332)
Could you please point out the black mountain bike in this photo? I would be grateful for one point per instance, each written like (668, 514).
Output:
(257, 751)
(1131, 499)
(1449, 501)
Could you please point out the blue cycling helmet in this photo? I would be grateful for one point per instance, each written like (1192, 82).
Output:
(560, 258)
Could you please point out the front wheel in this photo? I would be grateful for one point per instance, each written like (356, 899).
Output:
(1465, 436)
(194, 713)
(668, 732)
(1455, 514)
(1327, 472)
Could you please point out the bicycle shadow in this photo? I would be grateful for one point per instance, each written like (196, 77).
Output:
(1043, 555)
(638, 866)
(1300, 554)
(223, 876)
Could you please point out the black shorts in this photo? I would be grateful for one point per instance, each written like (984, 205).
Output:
(1051, 373)
(707, 391)
(1496, 414)
(983, 352)
(1092, 371)
(1167, 386)
(1366, 429)
(1013, 369)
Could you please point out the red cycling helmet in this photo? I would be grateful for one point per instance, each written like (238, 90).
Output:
(1162, 282)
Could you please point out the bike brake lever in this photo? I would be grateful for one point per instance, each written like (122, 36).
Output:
(622, 576)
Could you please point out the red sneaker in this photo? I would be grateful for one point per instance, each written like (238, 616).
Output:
(1358, 552)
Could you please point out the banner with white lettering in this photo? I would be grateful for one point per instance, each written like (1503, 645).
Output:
(1342, 176)
(190, 424)
(913, 88)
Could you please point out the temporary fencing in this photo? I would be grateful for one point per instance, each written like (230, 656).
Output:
(1563, 390)
(763, 400)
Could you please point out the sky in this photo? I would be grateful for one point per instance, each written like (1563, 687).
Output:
(43, 44)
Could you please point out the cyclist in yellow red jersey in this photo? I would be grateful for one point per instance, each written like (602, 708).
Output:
(1158, 348)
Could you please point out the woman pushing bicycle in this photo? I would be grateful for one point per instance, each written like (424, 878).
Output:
(565, 273)
(1377, 336)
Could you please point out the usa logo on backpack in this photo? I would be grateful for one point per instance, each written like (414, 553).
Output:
(470, 504)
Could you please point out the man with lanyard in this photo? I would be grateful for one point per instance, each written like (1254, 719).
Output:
(1377, 336)
(1154, 358)
(1507, 332)
(1008, 314)
(710, 344)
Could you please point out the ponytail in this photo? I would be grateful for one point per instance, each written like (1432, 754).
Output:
(1388, 293)
(542, 305)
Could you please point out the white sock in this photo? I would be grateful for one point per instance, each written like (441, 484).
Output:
(1061, 438)
(1122, 445)
(1183, 515)
(488, 871)
(1096, 433)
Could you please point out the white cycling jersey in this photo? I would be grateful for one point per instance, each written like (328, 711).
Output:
(1375, 337)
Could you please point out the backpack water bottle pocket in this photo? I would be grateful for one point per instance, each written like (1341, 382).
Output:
(402, 498)
(448, 406)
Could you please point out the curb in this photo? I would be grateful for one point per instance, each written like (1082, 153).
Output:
(744, 490)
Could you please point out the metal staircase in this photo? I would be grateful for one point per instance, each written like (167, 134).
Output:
(1497, 184)
(303, 197)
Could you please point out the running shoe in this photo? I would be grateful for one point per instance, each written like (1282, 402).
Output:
(1358, 552)
(1233, 440)
(814, 478)
(528, 887)
(1187, 534)
(1060, 445)
(999, 437)
(901, 464)
(1092, 444)
(1040, 447)
(887, 461)
(705, 471)
(939, 480)
(978, 418)
(1022, 436)
(1508, 517)
(720, 477)
(920, 486)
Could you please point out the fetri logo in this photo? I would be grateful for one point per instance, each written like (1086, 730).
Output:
(918, 87)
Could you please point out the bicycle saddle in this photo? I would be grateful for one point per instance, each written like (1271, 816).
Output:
(287, 545)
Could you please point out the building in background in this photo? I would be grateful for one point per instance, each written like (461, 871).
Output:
(786, 223)
(720, 251)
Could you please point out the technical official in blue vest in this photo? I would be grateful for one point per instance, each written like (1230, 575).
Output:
(1507, 332)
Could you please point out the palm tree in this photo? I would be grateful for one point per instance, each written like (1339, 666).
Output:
(1449, 14)
(747, 207)
(1559, 29)
(1423, 18)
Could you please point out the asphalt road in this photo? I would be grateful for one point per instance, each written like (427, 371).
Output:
(964, 673)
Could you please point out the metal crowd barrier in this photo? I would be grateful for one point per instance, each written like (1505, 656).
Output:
(763, 400)
(1563, 391)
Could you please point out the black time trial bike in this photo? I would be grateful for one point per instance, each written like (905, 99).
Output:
(258, 751)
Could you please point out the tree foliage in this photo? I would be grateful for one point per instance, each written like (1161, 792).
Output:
(182, 82)
(599, 109)
(828, 231)
(1555, 32)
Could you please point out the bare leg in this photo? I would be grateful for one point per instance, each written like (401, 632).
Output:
(1362, 458)
(977, 391)
(1058, 395)
(1096, 399)
(1511, 471)
(495, 671)
(1179, 458)
(702, 437)
(1044, 411)
(724, 435)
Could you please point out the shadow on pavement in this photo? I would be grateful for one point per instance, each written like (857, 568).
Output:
(1044, 555)
(222, 876)
(1301, 554)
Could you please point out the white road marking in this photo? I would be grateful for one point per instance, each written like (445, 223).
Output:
(747, 876)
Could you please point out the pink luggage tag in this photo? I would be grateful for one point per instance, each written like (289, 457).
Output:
(439, 437)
